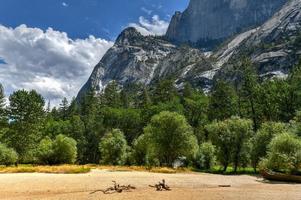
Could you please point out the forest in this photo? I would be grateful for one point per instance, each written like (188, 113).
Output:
(249, 121)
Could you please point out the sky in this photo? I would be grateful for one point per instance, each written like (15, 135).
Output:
(52, 46)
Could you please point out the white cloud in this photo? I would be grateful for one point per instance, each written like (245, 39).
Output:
(155, 26)
(65, 4)
(47, 61)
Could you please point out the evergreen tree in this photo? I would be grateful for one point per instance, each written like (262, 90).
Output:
(26, 112)
(223, 101)
(64, 108)
(248, 93)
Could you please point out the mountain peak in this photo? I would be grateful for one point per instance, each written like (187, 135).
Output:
(127, 36)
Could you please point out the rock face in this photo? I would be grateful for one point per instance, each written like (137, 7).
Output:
(146, 59)
(274, 47)
(207, 23)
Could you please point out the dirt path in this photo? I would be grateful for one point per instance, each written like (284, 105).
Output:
(185, 186)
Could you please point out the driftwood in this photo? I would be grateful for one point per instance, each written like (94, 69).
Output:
(276, 176)
(161, 186)
(116, 189)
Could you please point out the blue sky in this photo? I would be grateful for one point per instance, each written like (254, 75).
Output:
(81, 18)
(52, 46)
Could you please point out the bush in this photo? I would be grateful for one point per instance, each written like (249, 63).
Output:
(206, 156)
(170, 138)
(62, 150)
(113, 148)
(284, 154)
(8, 156)
(262, 139)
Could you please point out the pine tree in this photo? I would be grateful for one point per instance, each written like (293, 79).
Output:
(64, 108)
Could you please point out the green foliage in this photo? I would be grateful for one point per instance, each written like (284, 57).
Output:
(284, 154)
(206, 156)
(8, 156)
(231, 137)
(170, 137)
(113, 148)
(262, 139)
(26, 113)
(223, 101)
(62, 150)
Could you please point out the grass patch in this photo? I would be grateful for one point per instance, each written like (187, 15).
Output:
(62, 169)
(230, 171)
(165, 170)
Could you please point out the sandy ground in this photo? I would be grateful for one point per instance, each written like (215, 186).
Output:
(184, 186)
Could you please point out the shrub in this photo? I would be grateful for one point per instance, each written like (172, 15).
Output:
(206, 156)
(113, 148)
(284, 154)
(8, 156)
(62, 150)
(262, 139)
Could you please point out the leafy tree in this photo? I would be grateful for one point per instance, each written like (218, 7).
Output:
(8, 156)
(26, 113)
(284, 154)
(231, 137)
(127, 120)
(62, 150)
(139, 154)
(223, 101)
(45, 152)
(171, 137)
(262, 139)
(206, 156)
(113, 148)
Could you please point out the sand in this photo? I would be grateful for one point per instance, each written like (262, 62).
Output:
(184, 186)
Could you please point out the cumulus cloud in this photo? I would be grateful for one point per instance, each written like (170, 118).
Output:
(47, 61)
(155, 26)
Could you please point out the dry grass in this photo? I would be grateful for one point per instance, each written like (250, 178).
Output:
(62, 169)
(164, 170)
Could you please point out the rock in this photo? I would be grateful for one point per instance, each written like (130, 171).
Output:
(207, 23)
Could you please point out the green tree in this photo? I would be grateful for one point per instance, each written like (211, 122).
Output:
(165, 91)
(262, 139)
(8, 156)
(113, 148)
(62, 150)
(171, 137)
(26, 113)
(206, 156)
(111, 95)
(284, 154)
(223, 101)
(231, 137)
(45, 153)
(64, 108)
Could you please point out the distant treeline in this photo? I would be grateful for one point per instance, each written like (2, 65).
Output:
(247, 122)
